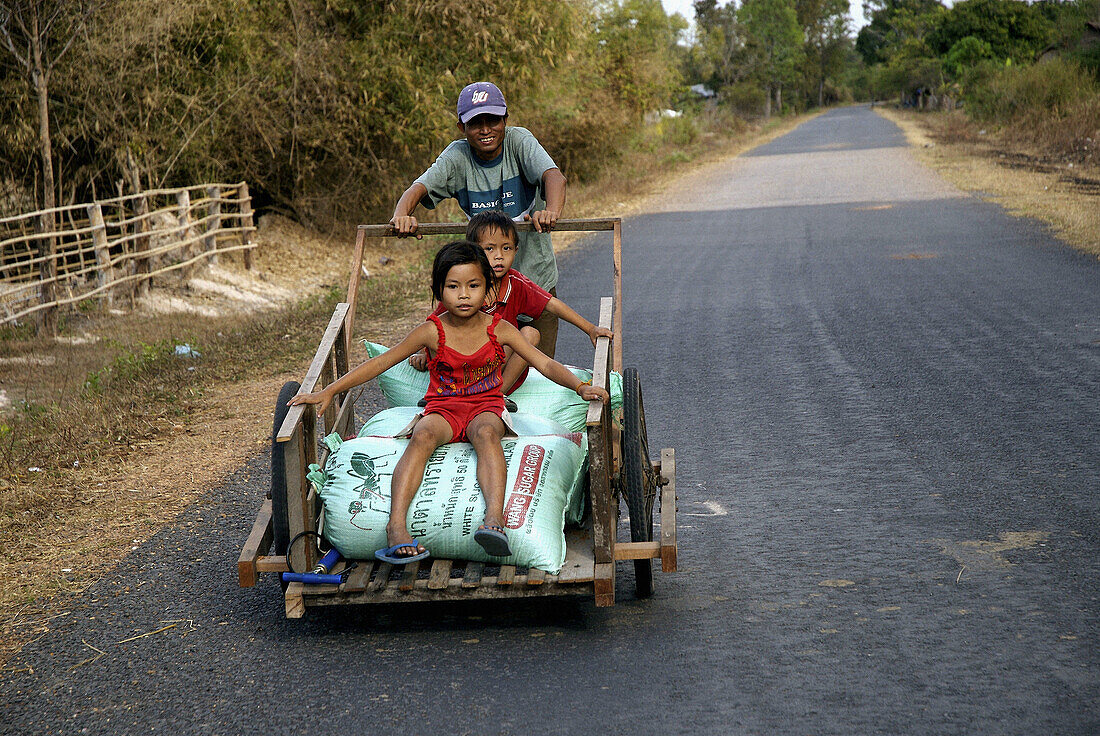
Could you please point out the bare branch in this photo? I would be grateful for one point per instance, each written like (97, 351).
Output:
(5, 32)
(194, 131)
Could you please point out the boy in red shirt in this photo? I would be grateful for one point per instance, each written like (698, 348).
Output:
(514, 294)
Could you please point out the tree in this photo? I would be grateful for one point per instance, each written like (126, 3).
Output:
(37, 34)
(894, 24)
(637, 41)
(825, 29)
(774, 42)
(716, 59)
(1013, 30)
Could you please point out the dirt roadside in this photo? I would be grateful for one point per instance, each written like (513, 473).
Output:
(1026, 183)
(122, 503)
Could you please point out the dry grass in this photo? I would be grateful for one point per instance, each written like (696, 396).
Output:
(110, 414)
(1029, 175)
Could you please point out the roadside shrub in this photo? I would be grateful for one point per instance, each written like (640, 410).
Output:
(744, 98)
(1052, 88)
(1053, 106)
(680, 131)
(967, 53)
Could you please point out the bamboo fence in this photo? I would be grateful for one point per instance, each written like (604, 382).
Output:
(112, 248)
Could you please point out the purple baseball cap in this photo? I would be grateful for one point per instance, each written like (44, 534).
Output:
(480, 98)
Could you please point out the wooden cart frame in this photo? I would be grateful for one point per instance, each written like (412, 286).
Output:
(592, 551)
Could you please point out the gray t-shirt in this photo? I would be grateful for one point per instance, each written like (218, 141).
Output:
(511, 182)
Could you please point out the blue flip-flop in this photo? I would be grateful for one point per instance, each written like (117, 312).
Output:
(493, 540)
(387, 554)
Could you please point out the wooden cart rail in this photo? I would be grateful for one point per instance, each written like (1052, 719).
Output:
(591, 224)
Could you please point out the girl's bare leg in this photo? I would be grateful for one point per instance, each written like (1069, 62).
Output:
(485, 432)
(514, 365)
(430, 432)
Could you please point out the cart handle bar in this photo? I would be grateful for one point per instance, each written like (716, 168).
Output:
(459, 228)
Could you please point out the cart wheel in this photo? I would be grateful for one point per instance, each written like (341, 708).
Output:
(279, 525)
(640, 482)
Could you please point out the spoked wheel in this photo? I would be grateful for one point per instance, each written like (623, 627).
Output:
(280, 526)
(640, 481)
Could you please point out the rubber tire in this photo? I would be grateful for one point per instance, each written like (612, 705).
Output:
(280, 525)
(638, 478)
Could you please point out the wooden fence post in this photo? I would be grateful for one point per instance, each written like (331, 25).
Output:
(213, 222)
(142, 264)
(105, 272)
(246, 222)
(183, 208)
(46, 323)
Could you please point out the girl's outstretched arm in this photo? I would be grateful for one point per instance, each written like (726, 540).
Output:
(552, 369)
(424, 336)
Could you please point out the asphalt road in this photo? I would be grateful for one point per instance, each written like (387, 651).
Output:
(884, 396)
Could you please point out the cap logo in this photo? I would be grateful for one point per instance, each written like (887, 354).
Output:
(479, 96)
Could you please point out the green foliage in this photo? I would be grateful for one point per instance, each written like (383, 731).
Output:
(966, 54)
(1014, 30)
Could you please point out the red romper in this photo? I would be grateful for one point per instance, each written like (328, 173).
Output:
(462, 386)
(517, 295)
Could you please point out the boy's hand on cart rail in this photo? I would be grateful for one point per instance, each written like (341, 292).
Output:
(597, 332)
(543, 220)
(405, 226)
(321, 398)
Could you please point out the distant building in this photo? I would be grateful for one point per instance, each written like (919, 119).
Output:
(701, 90)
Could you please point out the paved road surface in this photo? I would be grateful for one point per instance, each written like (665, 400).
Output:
(884, 396)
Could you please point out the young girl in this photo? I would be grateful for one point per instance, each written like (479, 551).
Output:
(465, 350)
(512, 294)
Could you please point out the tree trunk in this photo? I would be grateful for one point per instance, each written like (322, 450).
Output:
(41, 88)
(47, 246)
(821, 93)
(767, 101)
(779, 99)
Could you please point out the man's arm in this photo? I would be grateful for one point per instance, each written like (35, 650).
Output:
(553, 184)
(403, 221)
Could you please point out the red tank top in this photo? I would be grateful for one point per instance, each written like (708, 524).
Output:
(453, 374)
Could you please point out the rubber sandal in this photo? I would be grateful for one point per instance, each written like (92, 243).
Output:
(387, 554)
(493, 540)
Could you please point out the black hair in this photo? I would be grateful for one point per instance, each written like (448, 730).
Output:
(458, 253)
(490, 220)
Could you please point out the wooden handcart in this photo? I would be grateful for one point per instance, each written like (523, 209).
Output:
(285, 534)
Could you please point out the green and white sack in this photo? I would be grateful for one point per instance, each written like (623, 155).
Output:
(403, 385)
(545, 488)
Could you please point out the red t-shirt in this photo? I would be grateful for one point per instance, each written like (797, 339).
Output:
(517, 295)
